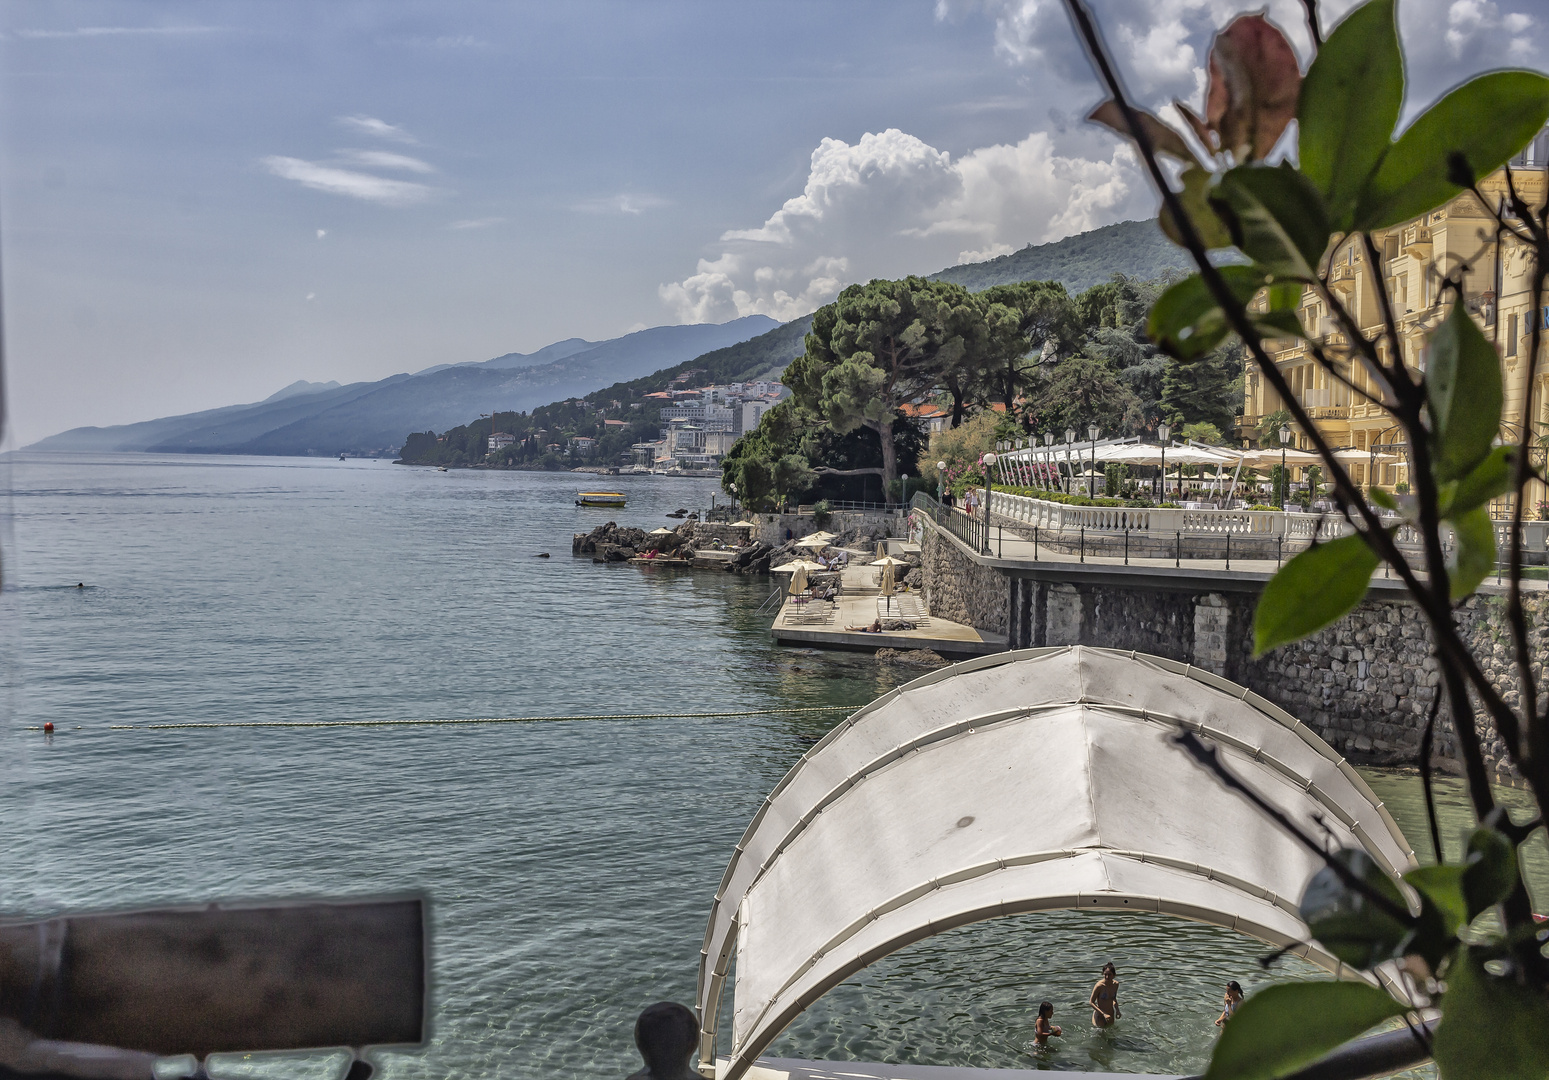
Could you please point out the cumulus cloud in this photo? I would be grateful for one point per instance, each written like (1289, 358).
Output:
(356, 185)
(892, 204)
(476, 223)
(1160, 45)
(370, 125)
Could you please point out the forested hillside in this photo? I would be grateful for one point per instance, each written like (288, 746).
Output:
(1136, 249)
(557, 423)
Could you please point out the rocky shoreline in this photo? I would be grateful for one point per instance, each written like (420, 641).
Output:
(612, 542)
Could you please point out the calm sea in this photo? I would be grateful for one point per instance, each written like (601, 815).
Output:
(570, 865)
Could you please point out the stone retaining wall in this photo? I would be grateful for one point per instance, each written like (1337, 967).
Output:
(1365, 684)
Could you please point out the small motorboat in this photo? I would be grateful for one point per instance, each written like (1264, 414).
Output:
(440, 468)
(599, 498)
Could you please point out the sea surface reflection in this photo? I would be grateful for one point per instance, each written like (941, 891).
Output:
(570, 865)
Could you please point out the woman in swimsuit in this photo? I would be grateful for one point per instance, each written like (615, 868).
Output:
(1233, 998)
(1105, 998)
(1042, 1028)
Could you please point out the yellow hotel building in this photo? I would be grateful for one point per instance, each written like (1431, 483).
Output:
(1417, 256)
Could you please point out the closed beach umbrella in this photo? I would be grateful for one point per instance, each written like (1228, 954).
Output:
(887, 578)
(799, 579)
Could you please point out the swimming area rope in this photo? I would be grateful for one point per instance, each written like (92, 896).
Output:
(194, 725)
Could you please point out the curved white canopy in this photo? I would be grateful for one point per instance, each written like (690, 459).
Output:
(1022, 782)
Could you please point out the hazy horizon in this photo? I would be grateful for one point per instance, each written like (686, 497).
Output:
(203, 203)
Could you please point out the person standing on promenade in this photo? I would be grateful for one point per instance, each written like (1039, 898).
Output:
(1105, 998)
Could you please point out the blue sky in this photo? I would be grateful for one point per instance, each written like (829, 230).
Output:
(204, 202)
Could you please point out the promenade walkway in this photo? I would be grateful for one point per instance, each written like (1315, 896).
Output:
(857, 605)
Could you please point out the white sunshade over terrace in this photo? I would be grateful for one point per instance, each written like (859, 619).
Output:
(1022, 782)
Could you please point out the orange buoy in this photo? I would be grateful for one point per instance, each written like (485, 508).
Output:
(48, 726)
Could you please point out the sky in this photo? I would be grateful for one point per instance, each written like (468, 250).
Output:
(203, 202)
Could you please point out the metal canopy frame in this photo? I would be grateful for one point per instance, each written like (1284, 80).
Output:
(854, 854)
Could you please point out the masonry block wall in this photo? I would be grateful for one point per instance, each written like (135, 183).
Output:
(1365, 684)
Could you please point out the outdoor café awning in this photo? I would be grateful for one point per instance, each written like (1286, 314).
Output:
(1016, 783)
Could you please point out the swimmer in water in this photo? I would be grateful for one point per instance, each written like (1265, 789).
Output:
(1105, 998)
(1232, 998)
(1042, 1027)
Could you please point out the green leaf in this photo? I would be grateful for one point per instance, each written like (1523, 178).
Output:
(1185, 322)
(1474, 559)
(1490, 870)
(1314, 589)
(1382, 498)
(1492, 1028)
(1463, 388)
(1282, 1028)
(1349, 107)
(1467, 134)
(1347, 923)
(1490, 478)
(1443, 887)
(1196, 203)
(1276, 217)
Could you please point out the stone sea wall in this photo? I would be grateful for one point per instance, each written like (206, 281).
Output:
(1365, 684)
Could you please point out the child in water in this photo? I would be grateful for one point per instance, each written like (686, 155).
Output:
(1233, 998)
(1042, 1028)
(1105, 998)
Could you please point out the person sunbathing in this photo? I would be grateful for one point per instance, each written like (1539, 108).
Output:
(874, 628)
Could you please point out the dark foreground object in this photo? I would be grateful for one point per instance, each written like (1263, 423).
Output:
(667, 1034)
(219, 979)
(1372, 1057)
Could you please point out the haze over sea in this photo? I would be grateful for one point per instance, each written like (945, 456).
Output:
(570, 865)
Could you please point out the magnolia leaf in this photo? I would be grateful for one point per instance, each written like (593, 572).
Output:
(1277, 218)
(1196, 204)
(1492, 1027)
(1185, 322)
(1490, 870)
(1317, 587)
(1382, 498)
(1467, 134)
(1201, 129)
(1463, 389)
(1443, 887)
(1349, 107)
(1346, 922)
(1163, 138)
(1474, 557)
(1490, 478)
(1254, 83)
(1282, 1028)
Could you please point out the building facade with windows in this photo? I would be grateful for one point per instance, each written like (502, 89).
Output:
(1459, 239)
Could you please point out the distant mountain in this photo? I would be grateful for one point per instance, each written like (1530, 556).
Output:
(1137, 249)
(371, 418)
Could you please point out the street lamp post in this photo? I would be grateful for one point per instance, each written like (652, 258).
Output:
(941, 481)
(1091, 487)
(1048, 458)
(1164, 432)
(1285, 437)
(989, 460)
(733, 489)
(1070, 473)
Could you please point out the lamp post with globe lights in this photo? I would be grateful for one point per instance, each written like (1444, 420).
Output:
(1282, 488)
(941, 481)
(989, 460)
(1164, 432)
(1091, 487)
(1070, 471)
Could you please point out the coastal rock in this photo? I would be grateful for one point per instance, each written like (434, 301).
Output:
(611, 533)
(911, 657)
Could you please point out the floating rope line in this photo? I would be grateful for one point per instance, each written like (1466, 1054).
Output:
(478, 720)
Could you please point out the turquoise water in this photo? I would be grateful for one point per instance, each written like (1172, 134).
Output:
(570, 865)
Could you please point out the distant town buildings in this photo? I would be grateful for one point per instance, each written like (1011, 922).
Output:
(700, 424)
(499, 440)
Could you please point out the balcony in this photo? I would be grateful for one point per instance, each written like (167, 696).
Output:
(1416, 242)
